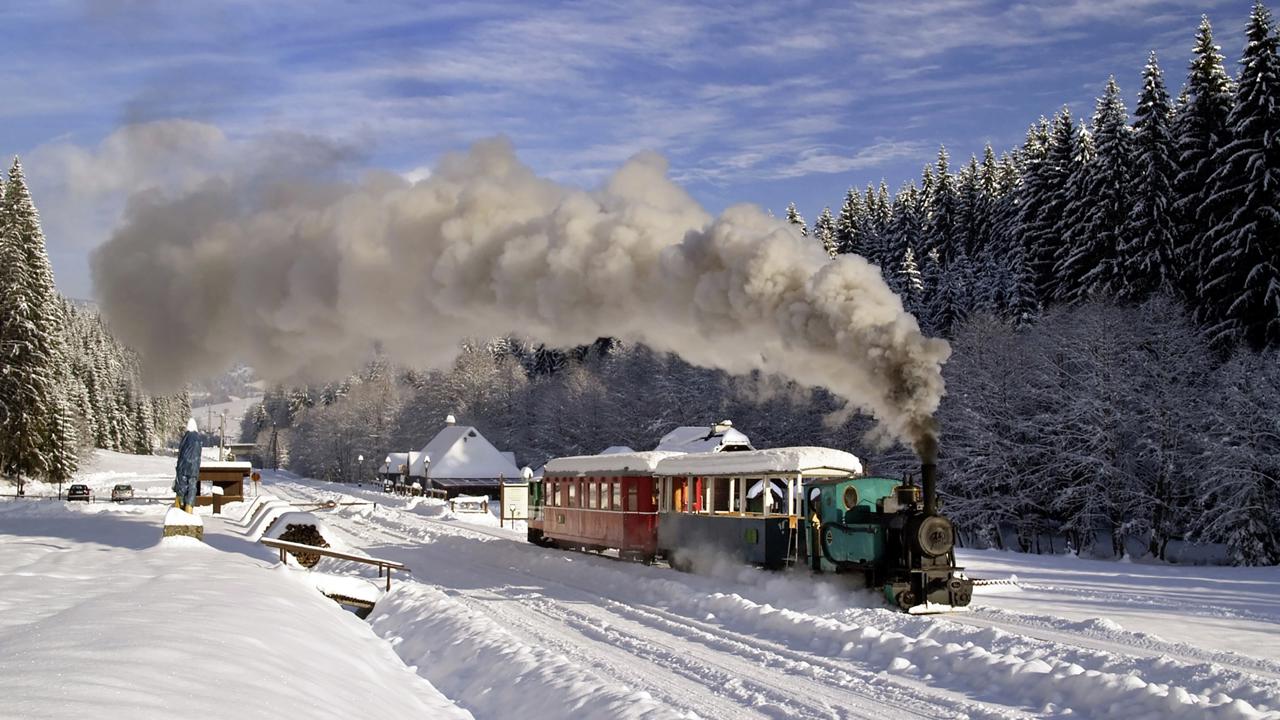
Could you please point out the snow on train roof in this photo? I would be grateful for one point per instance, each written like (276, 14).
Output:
(761, 462)
(644, 462)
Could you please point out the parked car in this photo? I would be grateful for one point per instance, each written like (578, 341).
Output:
(79, 492)
(122, 492)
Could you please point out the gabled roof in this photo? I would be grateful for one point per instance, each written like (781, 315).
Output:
(460, 451)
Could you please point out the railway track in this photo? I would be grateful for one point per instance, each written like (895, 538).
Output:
(628, 636)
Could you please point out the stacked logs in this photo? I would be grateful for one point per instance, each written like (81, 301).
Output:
(304, 535)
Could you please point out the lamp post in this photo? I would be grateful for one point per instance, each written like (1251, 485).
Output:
(360, 472)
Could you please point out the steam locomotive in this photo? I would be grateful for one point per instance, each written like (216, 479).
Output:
(777, 508)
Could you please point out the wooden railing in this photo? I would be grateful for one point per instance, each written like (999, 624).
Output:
(384, 566)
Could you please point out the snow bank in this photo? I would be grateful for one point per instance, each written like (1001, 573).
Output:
(489, 671)
(99, 620)
(178, 516)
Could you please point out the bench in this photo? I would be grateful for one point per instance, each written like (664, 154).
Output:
(384, 566)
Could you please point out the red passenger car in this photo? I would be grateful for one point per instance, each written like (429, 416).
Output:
(599, 502)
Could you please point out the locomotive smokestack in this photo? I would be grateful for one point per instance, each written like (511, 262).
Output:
(929, 479)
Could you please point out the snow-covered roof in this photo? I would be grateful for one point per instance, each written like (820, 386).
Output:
(615, 449)
(460, 451)
(703, 438)
(614, 463)
(225, 465)
(392, 462)
(761, 462)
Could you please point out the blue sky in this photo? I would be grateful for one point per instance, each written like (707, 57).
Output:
(765, 102)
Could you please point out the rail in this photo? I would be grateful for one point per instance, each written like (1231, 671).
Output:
(384, 566)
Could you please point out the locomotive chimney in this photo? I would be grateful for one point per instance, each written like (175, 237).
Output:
(929, 479)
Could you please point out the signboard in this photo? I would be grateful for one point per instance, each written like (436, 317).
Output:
(514, 503)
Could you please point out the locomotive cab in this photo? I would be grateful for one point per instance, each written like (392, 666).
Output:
(888, 533)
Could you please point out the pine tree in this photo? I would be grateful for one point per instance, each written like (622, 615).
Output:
(942, 203)
(908, 283)
(824, 230)
(1243, 274)
(31, 353)
(1077, 205)
(969, 208)
(795, 218)
(1050, 157)
(906, 224)
(1092, 266)
(849, 223)
(62, 444)
(143, 427)
(880, 215)
(1200, 129)
(1147, 262)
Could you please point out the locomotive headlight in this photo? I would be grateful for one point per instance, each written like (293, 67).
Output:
(934, 536)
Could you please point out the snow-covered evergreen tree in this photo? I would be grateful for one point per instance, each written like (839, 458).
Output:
(905, 228)
(795, 218)
(1200, 129)
(849, 223)
(1092, 265)
(1242, 277)
(62, 445)
(1147, 256)
(143, 427)
(824, 231)
(970, 206)
(942, 202)
(908, 283)
(1077, 205)
(31, 352)
(1049, 158)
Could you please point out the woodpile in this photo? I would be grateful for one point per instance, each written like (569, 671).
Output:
(304, 535)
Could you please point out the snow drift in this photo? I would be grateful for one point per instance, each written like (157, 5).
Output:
(308, 277)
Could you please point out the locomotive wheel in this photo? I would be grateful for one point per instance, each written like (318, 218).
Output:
(906, 600)
(935, 536)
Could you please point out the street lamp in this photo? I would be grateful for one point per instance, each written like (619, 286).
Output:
(360, 472)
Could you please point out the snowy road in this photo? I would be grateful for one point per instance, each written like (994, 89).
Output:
(600, 638)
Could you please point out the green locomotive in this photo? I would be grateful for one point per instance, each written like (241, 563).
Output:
(891, 534)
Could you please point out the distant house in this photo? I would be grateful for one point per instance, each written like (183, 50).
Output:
(720, 437)
(461, 461)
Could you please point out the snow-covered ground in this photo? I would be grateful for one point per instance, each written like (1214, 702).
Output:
(101, 618)
(1083, 638)
(503, 628)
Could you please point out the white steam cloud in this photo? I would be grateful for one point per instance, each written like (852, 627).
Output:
(300, 279)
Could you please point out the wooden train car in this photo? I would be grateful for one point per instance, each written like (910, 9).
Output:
(598, 502)
(746, 505)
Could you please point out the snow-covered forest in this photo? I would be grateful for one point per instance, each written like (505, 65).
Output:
(65, 384)
(1111, 290)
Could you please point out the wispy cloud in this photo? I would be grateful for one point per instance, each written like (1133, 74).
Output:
(747, 98)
